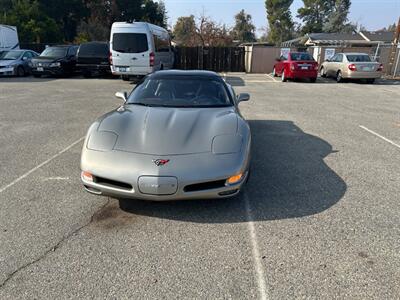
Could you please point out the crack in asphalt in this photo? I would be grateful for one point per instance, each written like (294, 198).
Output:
(54, 248)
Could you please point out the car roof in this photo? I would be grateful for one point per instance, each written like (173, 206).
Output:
(200, 73)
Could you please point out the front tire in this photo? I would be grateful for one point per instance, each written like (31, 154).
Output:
(339, 77)
(20, 71)
(125, 77)
(323, 74)
(313, 80)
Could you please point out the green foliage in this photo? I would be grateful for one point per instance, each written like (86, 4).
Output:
(325, 16)
(33, 25)
(337, 18)
(244, 28)
(184, 31)
(51, 21)
(279, 20)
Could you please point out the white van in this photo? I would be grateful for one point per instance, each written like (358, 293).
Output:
(8, 38)
(139, 48)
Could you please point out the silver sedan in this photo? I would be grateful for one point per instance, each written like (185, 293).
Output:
(352, 66)
(179, 135)
(16, 62)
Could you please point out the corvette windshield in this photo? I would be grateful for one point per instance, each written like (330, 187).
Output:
(179, 91)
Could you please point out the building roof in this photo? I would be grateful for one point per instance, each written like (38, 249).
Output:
(359, 38)
(378, 36)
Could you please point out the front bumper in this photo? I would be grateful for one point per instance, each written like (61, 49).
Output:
(131, 70)
(7, 71)
(189, 170)
(48, 71)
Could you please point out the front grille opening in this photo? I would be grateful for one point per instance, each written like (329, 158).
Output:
(205, 186)
(112, 183)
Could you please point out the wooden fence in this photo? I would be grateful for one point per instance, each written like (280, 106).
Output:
(218, 59)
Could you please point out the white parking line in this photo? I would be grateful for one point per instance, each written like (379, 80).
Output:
(40, 165)
(380, 136)
(260, 275)
(272, 77)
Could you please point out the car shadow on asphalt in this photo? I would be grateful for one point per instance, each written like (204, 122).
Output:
(289, 179)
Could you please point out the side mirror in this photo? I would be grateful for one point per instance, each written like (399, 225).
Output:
(122, 95)
(243, 97)
(278, 59)
(24, 58)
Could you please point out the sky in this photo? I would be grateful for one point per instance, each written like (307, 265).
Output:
(373, 14)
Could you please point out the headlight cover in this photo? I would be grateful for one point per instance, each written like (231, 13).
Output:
(56, 64)
(226, 144)
(102, 141)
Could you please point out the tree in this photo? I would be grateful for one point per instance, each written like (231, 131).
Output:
(337, 19)
(279, 20)
(314, 14)
(184, 31)
(34, 26)
(244, 28)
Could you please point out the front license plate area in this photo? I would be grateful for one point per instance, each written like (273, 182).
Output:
(40, 69)
(154, 185)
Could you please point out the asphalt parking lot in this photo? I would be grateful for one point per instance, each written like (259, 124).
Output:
(319, 217)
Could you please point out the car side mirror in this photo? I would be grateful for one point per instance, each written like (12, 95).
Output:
(277, 59)
(24, 58)
(122, 95)
(243, 97)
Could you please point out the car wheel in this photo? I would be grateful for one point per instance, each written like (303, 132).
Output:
(313, 80)
(370, 81)
(87, 74)
(162, 68)
(339, 77)
(284, 79)
(274, 72)
(323, 74)
(125, 77)
(20, 71)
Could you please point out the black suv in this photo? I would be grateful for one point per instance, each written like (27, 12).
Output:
(55, 60)
(93, 59)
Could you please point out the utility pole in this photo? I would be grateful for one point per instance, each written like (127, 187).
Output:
(393, 51)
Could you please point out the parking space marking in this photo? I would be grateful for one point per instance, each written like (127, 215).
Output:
(380, 136)
(40, 165)
(272, 77)
(262, 286)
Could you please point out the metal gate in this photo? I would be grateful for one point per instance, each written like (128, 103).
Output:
(218, 59)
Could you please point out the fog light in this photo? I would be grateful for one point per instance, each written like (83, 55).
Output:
(235, 179)
(87, 176)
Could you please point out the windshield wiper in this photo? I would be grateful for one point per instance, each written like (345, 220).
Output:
(140, 103)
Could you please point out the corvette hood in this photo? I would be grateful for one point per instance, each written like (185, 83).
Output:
(168, 131)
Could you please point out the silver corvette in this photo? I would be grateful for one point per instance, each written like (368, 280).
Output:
(179, 135)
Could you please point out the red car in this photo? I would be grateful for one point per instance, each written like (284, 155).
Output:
(296, 65)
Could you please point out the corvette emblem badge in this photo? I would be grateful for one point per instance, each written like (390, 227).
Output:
(160, 162)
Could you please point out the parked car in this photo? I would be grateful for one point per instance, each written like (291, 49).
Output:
(16, 62)
(93, 59)
(139, 48)
(8, 38)
(56, 61)
(296, 65)
(352, 66)
(179, 135)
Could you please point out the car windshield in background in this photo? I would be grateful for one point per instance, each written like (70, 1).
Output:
(54, 52)
(358, 58)
(301, 56)
(180, 92)
(94, 49)
(130, 42)
(10, 55)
